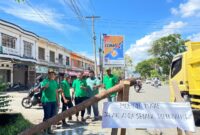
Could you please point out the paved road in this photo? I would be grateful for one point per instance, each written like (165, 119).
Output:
(148, 94)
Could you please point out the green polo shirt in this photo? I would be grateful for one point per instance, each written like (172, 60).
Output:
(49, 94)
(66, 88)
(77, 87)
(91, 83)
(109, 82)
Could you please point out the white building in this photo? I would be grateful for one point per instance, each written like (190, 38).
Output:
(17, 54)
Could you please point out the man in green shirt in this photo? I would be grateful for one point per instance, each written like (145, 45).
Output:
(110, 80)
(80, 89)
(66, 97)
(93, 84)
(49, 96)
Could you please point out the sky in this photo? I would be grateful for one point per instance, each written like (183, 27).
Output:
(139, 21)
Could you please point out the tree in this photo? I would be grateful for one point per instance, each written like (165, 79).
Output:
(119, 72)
(145, 67)
(166, 48)
(154, 73)
(128, 61)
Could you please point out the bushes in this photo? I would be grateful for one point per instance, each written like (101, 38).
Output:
(13, 124)
(4, 99)
(10, 124)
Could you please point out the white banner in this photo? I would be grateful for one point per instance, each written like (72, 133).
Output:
(148, 115)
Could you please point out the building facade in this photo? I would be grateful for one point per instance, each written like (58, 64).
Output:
(17, 54)
(24, 55)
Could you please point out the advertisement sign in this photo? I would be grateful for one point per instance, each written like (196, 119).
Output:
(41, 69)
(113, 50)
(148, 115)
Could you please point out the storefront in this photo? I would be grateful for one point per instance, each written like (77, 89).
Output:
(6, 72)
(20, 74)
(31, 76)
(41, 70)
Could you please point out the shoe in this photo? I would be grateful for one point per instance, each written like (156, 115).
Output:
(59, 123)
(77, 119)
(49, 131)
(88, 117)
(70, 118)
(82, 119)
(65, 124)
(95, 119)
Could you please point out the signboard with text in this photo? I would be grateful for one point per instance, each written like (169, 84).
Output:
(148, 115)
(113, 50)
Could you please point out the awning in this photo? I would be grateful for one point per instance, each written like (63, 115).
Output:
(86, 73)
(72, 73)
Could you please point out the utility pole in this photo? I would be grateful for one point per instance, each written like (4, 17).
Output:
(94, 41)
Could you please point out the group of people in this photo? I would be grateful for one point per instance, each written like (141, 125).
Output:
(81, 90)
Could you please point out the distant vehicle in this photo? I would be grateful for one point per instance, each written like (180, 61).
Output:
(138, 85)
(148, 81)
(156, 82)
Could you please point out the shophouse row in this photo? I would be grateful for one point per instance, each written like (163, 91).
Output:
(24, 55)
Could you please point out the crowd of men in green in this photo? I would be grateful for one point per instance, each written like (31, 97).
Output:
(81, 90)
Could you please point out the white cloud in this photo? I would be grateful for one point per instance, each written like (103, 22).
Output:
(188, 9)
(138, 50)
(42, 15)
(194, 37)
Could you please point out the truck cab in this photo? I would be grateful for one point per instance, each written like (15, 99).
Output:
(185, 70)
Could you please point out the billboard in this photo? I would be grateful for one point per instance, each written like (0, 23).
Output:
(113, 51)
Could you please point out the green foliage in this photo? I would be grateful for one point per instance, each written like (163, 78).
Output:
(145, 67)
(154, 73)
(4, 99)
(119, 72)
(166, 48)
(128, 61)
(13, 124)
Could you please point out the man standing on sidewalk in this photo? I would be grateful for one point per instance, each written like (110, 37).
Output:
(80, 90)
(49, 98)
(93, 84)
(110, 80)
(66, 97)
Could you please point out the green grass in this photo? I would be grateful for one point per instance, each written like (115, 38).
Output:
(13, 124)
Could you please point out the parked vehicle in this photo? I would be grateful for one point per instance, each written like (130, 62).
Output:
(34, 95)
(185, 72)
(33, 98)
(17, 87)
(148, 81)
(156, 82)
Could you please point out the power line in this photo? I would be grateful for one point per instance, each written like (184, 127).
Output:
(73, 6)
(38, 12)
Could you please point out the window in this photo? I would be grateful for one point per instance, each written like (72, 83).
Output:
(176, 67)
(60, 58)
(67, 60)
(8, 41)
(41, 53)
(52, 56)
(27, 49)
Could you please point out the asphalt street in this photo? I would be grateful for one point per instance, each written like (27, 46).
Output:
(147, 94)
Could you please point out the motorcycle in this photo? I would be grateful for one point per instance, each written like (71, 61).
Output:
(138, 86)
(33, 98)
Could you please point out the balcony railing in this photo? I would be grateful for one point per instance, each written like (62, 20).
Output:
(11, 51)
